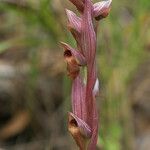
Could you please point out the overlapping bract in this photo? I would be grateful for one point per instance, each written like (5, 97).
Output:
(83, 122)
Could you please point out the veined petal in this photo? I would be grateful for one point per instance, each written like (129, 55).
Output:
(78, 98)
(74, 26)
(80, 59)
(101, 9)
(74, 20)
(79, 4)
(88, 35)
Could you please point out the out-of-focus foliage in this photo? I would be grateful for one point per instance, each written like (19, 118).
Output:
(123, 42)
(33, 84)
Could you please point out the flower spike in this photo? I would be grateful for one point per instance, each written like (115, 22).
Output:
(81, 66)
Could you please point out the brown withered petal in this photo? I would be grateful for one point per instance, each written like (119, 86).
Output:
(79, 4)
(80, 131)
(74, 60)
(73, 69)
(83, 126)
(80, 59)
(101, 9)
(72, 65)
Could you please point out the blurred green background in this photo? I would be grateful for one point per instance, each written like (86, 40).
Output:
(34, 88)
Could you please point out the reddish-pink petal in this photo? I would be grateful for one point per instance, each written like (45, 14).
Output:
(74, 20)
(101, 9)
(74, 26)
(78, 98)
(79, 4)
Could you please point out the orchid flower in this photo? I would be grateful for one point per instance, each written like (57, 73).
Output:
(83, 120)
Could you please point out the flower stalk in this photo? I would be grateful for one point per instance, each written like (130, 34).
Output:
(83, 120)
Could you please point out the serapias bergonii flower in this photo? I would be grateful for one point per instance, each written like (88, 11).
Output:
(83, 120)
